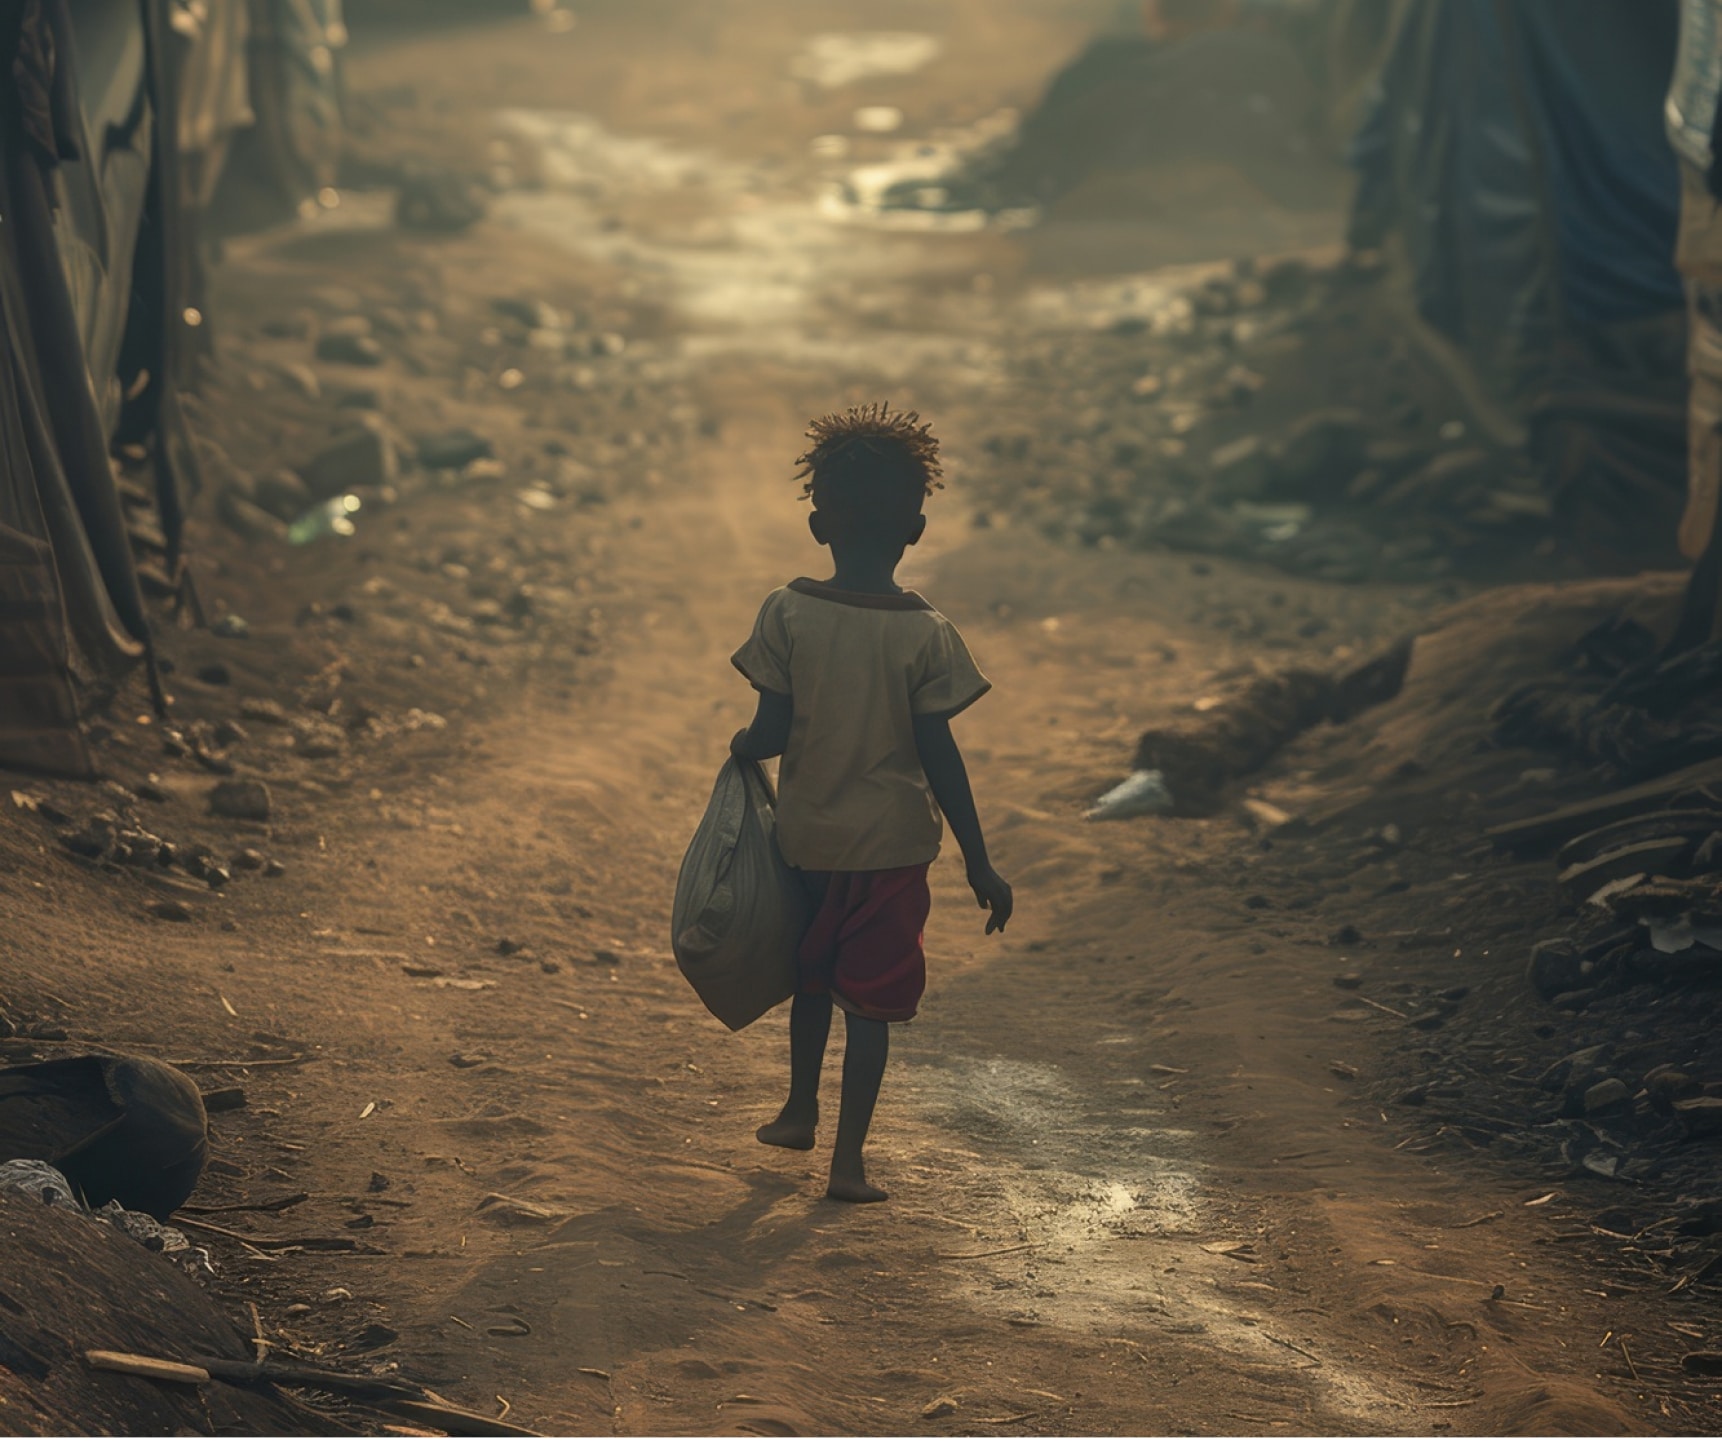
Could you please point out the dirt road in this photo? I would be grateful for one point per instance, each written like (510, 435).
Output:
(1130, 1192)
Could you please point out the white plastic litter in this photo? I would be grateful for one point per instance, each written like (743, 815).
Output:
(740, 911)
(39, 1180)
(42, 1182)
(1141, 794)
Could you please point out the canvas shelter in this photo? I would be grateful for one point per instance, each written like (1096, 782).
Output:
(114, 116)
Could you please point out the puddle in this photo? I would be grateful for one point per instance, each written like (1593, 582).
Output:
(1111, 1218)
(758, 271)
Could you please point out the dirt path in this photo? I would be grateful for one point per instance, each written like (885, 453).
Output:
(1131, 1193)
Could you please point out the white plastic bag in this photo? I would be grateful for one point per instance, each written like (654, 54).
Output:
(740, 911)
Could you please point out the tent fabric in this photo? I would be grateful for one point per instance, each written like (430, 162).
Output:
(1518, 150)
(1690, 110)
(88, 217)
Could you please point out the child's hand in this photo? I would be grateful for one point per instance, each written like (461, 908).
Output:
(992, 892)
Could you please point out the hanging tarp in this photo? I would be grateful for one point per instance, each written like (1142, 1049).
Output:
(1516, 147)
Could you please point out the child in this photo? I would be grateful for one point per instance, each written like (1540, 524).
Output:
(858, 679)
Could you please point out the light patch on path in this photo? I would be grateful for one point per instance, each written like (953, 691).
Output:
(833, 61)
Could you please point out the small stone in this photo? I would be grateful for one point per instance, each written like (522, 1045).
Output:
(217, 877)
(260, 708)
(359, 351)
(549, 965)
(1700, 1116)
(275, 868)
(215, 674)
(249, 859)
(241, 800)
(1347, 937)
(284, 494)
(605, 958)
(454, 449)
(379, 1183)
(231, 626)
(220, 1101)
(248, 519)
(168, 911)
(940, 1407)
(1348, 981)
(303, 380)
(363, 457)
(508, 947)
(1606, 1095)
(1555, 967)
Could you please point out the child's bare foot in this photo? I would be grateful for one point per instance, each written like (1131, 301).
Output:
(788, 1131)
(849, 1183)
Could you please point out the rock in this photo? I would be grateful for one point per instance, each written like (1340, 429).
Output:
(358, 350)
(1556, 1076)
(1239, 470)
(508, 947)
(363, 457)
(454, 449)
(168, 911)
(1667, 1083)
(275, 868)
(240, 799)
(438, 202)
(249, 859)
(96, 839)
(1348, 981)
(940, 1407)
(231, 626)
(284, 494)
(221, 1101)
(261, 708)
(379, 1183)
(1321, 453)
(1700, 1116)
(318, 740)
(248, 519)
(1347, 937)
(1605, 1096)
(1555, 968)
(303, 380)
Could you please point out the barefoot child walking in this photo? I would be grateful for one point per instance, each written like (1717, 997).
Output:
(858, 680)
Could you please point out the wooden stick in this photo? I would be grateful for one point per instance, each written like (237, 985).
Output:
(236, 1063)
(271, 1207)
(152, 1367)
(986, 1254)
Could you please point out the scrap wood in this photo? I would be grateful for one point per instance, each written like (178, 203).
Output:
(237, 1063)
(299, 1242)
(1528, 833)
(987, 1254)
(269, 1207)
(399, 1398)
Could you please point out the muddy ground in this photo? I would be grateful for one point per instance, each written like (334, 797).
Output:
(1149, 1165)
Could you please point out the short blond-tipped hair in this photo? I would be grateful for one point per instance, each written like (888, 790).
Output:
(900, 441)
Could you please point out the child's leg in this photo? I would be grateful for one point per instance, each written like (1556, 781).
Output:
(809, 1028)
(864, 1056)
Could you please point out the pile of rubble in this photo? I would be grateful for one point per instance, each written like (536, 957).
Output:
(1200, 415)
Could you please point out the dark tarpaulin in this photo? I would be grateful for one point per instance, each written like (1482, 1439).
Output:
(86, 228)
(1517, 147)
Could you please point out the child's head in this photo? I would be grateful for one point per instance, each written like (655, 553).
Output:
(868, 473)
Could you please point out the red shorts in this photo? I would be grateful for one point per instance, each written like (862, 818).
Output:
(864, 946)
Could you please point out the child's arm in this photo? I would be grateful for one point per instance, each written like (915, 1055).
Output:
(949, 779)
(769, 733)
